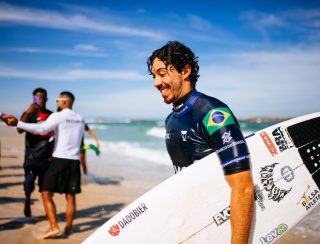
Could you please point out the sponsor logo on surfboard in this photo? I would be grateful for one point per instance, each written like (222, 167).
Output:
(222, 216)
(115, 229)
(270, 237)
(282, 138)
(309, 199)
(258, 196)
(266, 177)
(287, 173)
(267, 141)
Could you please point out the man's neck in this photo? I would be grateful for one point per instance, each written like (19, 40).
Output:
(43, 109)
(178, 104)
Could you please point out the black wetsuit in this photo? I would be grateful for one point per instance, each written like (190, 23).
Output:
(201, 125)
(38, 153)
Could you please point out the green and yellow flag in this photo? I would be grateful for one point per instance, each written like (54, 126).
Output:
(217, 118)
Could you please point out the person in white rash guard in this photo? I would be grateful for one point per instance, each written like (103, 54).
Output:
(63, 175)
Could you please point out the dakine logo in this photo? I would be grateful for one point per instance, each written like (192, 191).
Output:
(267, 141)
(310, 199)
(184, 135)
(274, 193)
(258, 196)
(274, 234)
(287, 173)
(226, 137)
(114, 230)
(282, 138)
(222, 217)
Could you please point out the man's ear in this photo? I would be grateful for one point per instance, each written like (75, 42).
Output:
(186, 71)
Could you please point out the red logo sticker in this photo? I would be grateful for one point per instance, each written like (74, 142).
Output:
(114, 230)
(267, 141)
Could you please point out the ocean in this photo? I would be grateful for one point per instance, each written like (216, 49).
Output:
(143, 139)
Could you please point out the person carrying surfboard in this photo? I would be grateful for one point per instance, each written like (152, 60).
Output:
(199, 125)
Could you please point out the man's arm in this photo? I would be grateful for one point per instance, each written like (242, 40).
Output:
(226, 137)
(94, 136)
(241, 206)
(52, 122)
(24, 118)
(83, 163)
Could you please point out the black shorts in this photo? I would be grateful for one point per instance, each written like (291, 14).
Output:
(32, 169)
(63, 176)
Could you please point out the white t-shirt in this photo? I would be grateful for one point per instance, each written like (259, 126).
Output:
(68, 129)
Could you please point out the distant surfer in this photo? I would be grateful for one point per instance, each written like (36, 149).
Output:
(200, 125)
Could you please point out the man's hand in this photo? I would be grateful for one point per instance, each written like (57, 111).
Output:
(84, 169)
(32, 108)
(10, 120)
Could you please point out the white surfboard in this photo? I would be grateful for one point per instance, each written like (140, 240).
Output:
(193, 205)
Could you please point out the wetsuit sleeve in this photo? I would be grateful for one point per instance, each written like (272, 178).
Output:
(226, 137)
(52, 122)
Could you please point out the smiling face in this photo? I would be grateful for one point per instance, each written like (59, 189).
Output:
(171, 84)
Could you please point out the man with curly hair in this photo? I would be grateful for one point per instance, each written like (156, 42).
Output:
(200, 125)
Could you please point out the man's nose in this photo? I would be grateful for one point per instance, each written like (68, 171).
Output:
(157, 82)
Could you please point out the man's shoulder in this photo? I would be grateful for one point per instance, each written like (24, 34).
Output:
(69, 113)
(168, 117)
(207, 103)
(48, 111)
(211, 101)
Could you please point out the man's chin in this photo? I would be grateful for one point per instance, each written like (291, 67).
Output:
(167, 100)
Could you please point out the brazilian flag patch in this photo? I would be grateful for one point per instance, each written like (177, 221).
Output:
(217, 118)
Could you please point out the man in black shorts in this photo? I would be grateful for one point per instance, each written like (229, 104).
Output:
(200, 125)
(38, 148)
(63, 174)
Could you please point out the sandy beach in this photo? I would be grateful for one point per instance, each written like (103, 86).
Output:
(101, 198)
(98, 201)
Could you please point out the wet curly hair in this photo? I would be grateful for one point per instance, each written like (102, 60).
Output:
(178, 55)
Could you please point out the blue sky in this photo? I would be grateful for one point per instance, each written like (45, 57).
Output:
(262, 58)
